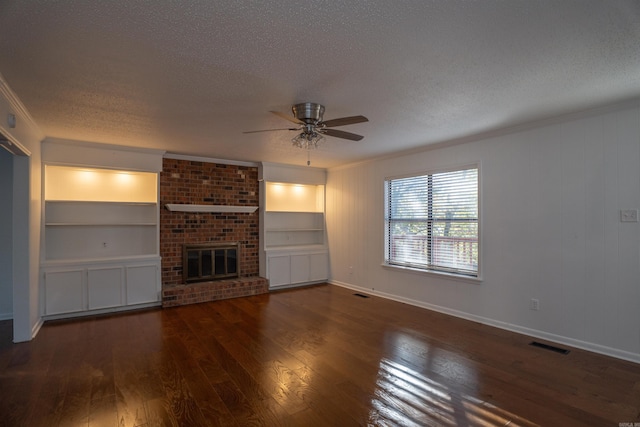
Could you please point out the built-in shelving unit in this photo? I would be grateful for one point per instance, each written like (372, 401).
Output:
(294, 233)
(294, 215)
(101, 240)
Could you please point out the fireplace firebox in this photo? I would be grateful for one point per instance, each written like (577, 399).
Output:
(210, 261)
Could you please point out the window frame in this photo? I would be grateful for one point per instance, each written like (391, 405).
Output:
(425, 270)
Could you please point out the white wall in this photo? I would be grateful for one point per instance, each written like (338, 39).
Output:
(6, 240)
(551, 198)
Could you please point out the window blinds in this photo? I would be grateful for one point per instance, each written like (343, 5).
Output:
(432, 221)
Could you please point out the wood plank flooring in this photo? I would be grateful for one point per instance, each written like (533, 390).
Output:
(316, 356)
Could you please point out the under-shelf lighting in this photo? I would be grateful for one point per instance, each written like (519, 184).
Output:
(124, 178)
(285, 197)
(99, 185)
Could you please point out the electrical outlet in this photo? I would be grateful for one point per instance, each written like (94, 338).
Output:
(629, 215)
(534, 304)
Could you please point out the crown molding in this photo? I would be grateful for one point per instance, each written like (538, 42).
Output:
(18, 108)
(176, 156)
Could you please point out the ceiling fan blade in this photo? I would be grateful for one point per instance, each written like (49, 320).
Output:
(269, 130)
(342, 134)
(287, 117)
(343, 121)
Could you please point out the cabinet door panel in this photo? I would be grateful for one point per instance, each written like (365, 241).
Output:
(105, 287)
(299, 268)
(63, 292)
(318, 267)
(142, 284)
(279, 270)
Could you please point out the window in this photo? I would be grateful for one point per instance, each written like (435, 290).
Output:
(431, 222)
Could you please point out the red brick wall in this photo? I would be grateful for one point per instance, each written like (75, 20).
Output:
(184, 181)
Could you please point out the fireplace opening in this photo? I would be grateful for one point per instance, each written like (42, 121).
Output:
(210, 261)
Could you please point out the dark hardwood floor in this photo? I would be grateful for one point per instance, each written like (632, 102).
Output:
(316, 356)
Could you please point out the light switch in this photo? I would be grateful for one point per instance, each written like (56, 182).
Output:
(629, 215)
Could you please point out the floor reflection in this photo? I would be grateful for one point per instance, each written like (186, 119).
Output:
(404, 397)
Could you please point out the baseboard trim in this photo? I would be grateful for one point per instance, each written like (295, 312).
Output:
(559, 339)
(295, 285)
(98, 312)
(36, 327)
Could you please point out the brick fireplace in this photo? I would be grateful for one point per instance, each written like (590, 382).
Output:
(210, 261)
(202, 183)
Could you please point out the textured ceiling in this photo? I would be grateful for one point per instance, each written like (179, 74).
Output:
(189, 77)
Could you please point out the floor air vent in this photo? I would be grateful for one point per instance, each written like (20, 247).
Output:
(549, 347)
(361, 295)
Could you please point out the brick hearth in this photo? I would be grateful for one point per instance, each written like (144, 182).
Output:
(202, 183)
(211, 291)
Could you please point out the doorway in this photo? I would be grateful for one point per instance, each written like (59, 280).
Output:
(6, 235)
(15, 283)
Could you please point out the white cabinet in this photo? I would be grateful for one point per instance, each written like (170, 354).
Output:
(294, 243)
(64, 291)
(279, 270)
(143, 284)
(319, 266)
(105, 287)
(100, 287)
(299, 267)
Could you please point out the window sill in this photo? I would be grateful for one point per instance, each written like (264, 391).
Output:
(438, 274)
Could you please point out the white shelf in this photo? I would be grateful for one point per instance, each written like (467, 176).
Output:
(95, 230)
(97, 224)
(295, 248)
(210, 208)
(99, 202)
(294, 212)
(99, 261)
(76, 213)
(293, 229)
(89, 241)
(277, 230)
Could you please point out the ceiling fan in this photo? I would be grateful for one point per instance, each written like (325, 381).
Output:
(311, 125)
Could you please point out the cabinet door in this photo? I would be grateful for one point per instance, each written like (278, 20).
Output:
(279, 270)
(299, 268)
(142, 284)
(318, 267)
(63, 292)
(105, 287)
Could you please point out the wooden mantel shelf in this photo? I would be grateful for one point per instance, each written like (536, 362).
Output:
(210, 208)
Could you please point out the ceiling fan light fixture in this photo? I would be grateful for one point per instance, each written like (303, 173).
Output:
(307, 140)
(311, 127)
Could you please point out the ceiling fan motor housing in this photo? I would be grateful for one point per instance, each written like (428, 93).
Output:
(308, 112)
